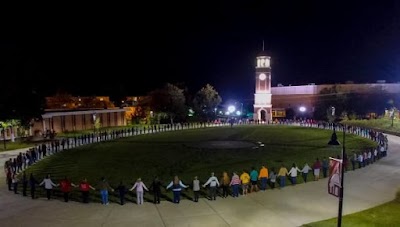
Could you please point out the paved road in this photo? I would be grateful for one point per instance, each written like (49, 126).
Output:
(291, 206)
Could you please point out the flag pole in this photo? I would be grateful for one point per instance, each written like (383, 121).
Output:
(339, 224)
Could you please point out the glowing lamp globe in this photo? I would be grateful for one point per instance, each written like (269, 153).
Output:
(231, 109)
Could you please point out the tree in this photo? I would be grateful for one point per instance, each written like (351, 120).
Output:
(205, 102)
(169, 100)
(328, 98)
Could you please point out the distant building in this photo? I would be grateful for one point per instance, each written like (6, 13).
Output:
(304, 97)
(69, 121)
(66, 113)
(68, 102)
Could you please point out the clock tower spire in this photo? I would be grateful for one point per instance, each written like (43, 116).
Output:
(262, 96)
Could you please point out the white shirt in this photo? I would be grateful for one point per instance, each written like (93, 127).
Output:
(293, 171)
(212, 181)
(306, 168)
(48, 184)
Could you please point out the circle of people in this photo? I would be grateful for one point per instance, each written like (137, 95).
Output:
(247, 182)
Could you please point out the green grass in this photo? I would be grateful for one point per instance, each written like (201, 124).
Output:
(166, 154)
(83, 132)
(384, 215)
(14, 145)
(383, 124)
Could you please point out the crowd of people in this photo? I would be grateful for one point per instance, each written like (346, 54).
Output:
(233, 184)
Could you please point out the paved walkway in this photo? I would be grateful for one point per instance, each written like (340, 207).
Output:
(291, 206)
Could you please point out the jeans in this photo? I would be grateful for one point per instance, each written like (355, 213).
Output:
(264, 183)
(104, 196)
(213, 193)
(325, 171)
(122, 198)
(139, 197)
(305, 177)
(15, 187)
(66, 196)
(235, 189)
(33, 192)
(177, 196)
(282, 181)
(48, 193)
(196, 196)
(225, 191)
(294, 180)
(157, 195)
(24, 186)
(85, 196)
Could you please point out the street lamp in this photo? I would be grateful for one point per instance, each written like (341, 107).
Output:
(392, 116)
(333, 140)
(302, 109)
(231, 108)
(94, 122)
(4, 136)
(340, 211)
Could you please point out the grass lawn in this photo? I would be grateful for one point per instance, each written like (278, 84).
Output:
(169, 153)
(383, 124)
(83, 132)
(14, 145)
(384, 215)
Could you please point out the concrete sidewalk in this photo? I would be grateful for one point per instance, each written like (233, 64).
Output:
(291, 206)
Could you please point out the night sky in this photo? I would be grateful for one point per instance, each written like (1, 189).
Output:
(140, 48)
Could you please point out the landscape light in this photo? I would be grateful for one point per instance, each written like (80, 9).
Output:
(302, 109)
(238, 113)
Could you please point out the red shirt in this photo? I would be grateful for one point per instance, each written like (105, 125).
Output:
(84, 186)
(65, 186)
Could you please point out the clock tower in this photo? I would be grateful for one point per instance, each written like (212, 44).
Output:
(262, 97)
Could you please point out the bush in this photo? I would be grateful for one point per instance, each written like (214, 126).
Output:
(397, 199)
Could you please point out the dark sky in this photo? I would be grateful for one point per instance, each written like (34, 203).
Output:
(138, 48)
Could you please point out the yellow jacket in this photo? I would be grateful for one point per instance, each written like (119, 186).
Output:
(282, 172)
(245, 178)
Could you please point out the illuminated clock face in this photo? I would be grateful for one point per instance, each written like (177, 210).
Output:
(262, 76)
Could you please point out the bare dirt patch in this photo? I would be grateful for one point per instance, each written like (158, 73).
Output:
(223, 144)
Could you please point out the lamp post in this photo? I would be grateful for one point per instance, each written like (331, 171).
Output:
(392, 116)
(340, 212)
(94, 122)
(4, 137)
(333, 140)
(333, 118)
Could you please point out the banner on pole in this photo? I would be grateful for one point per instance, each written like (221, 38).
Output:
(334, 182)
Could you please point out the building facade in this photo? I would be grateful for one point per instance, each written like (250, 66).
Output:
(69, 121)
(303, 98)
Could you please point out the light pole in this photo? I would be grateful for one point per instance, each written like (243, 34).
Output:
(340, 212)
(333, 140)
(94, 122)
(392, 116)
(4, 137)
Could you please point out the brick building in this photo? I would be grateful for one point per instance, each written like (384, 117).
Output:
(294, 97)
(65, 113)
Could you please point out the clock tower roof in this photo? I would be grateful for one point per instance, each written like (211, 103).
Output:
(262, 54)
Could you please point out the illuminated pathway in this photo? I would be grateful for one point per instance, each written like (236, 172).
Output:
(291, 206)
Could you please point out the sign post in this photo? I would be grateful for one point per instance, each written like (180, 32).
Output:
(336, 178)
